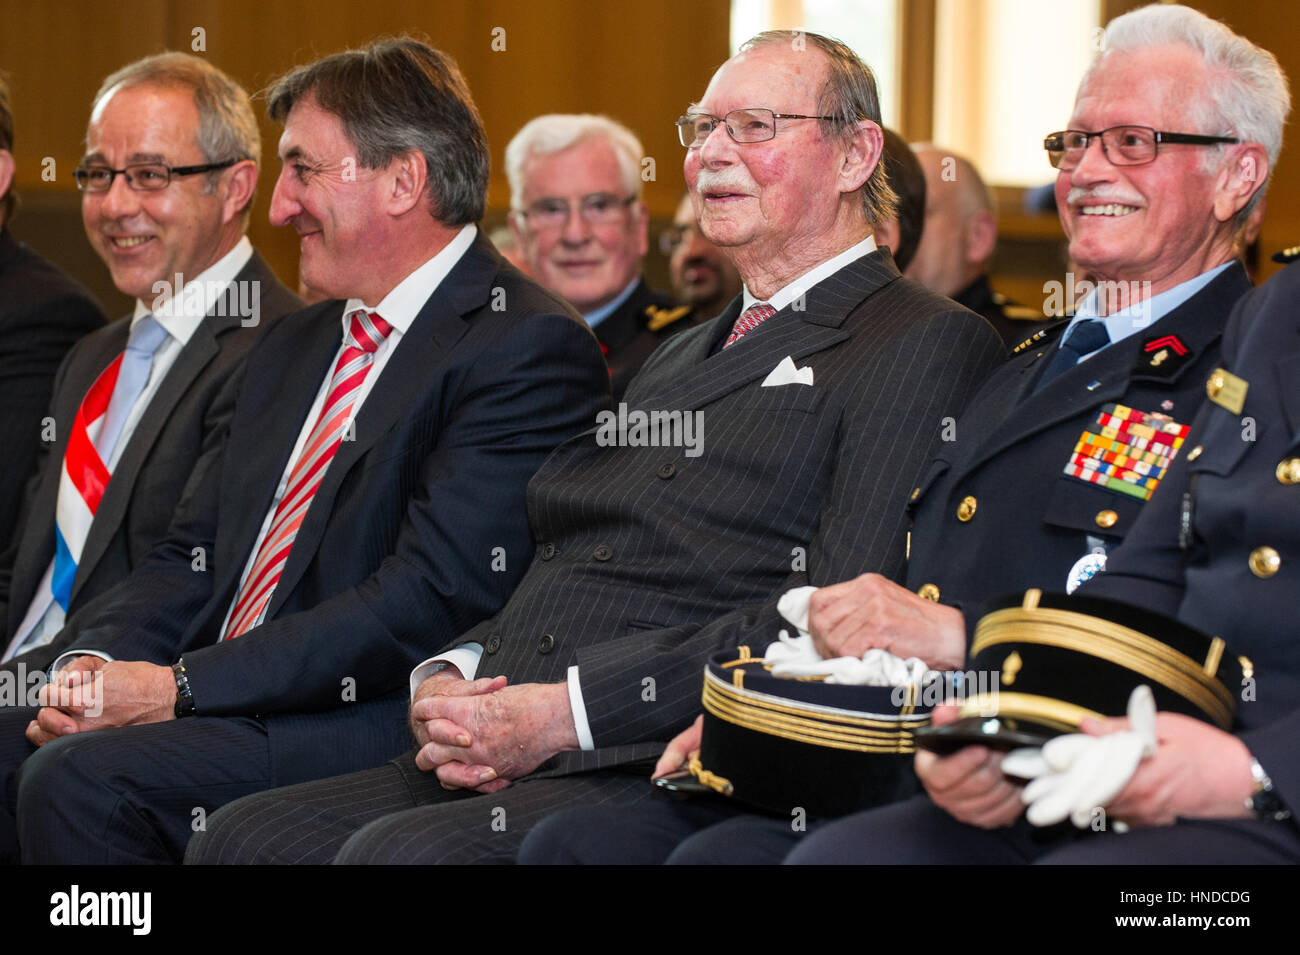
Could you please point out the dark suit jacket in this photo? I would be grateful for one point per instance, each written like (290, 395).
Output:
(42, 313)
(417, 531)
(186, 417)
(635, 329)
(1031, 521)
(649, 556)
(1238, 500)
(1015, 323)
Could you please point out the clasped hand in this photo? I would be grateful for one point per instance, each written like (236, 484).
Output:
(481, 734)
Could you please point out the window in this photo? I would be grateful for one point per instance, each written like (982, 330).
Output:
(869, 27)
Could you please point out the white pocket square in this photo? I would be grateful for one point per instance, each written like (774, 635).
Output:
(787, 374)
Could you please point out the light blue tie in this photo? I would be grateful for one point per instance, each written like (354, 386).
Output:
(145, 339)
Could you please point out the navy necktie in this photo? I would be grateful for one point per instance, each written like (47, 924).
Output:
(1084, 339)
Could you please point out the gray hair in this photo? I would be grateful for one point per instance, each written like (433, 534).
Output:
(227, 127)
(1248, 94)
(396, 96)
(849, 95)
(556, 132)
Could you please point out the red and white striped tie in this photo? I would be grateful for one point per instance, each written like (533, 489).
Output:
(749, 320)
(365, 333)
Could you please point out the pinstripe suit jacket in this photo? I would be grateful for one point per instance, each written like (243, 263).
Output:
(650, 558)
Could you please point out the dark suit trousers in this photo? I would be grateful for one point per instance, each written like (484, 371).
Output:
(399, 814)
(137, 794)
(918, 832)
(666, 830)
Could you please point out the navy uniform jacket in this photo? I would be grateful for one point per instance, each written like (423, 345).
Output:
(42, 313)
(1015, 323)
(1241, 493)
(1027, 522)
(635, 329)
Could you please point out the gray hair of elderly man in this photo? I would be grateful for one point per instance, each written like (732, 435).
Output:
(849, 95)
(1249, 96)
(556, 132)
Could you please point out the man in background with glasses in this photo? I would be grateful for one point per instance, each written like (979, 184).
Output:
(171, 166)
(576, 209)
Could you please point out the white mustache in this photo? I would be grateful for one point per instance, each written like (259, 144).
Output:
(1100, 197)
(712, 182)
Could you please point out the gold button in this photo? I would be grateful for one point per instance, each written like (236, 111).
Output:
(1288, 471)
(929, 592)
(1214, 385)
(1195, 453)
(1106, 518)
(916, 492)
(1264, 562)
(966, 509)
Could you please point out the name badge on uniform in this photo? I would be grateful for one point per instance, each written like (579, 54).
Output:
(1227, 390)
(1126, 450)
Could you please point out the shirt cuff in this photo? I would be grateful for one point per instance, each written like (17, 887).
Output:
(464, 658)
(63, 659)
(580, 724)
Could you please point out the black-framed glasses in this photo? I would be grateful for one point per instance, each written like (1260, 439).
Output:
(598, 208)
(140, 176)
(1122, 145)
(751, 125)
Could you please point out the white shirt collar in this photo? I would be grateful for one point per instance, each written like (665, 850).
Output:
(181, 312)
(804, 283)
(400, 306)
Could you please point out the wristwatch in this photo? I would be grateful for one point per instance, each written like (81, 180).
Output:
(1264, 801)
(184, 695)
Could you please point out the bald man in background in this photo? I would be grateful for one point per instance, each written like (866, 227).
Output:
(702, 276)
(960, 234)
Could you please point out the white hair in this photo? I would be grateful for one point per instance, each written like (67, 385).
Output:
(556, 132)
(1248, 94)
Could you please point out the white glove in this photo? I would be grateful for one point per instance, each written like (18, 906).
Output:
(1074, 774)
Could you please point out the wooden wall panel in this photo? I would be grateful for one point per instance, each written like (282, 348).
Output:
(639, 62)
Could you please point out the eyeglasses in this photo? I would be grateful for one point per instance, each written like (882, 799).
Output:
(599, 208)
(142, 176)
(1122, 145)
(753, 125)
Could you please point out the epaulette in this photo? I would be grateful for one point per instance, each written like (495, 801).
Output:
(1287, 255)
(663, 317)
(1038, 336)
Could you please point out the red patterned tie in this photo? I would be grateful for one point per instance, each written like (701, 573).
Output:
(749, 320)
(365, 332)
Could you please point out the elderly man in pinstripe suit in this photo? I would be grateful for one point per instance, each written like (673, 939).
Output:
(821, 391)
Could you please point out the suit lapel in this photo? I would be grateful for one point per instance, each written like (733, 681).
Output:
(38, 535)
(414, 369)
(703, 378)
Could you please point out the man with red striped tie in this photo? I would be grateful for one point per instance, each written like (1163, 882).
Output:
(366, 506)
